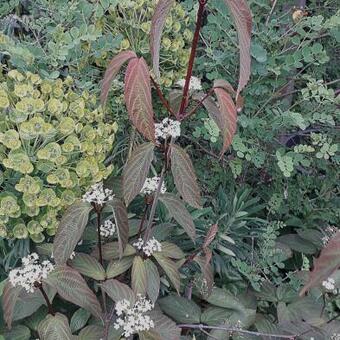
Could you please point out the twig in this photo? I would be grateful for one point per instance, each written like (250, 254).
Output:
(161, 97)
(271, 12)
(48, 303)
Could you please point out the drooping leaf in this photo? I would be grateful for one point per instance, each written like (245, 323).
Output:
(138, 276)
(88, 266)
(325, 264)
(122, 223)
(153, 280)
(111, 251)
(228, 117)
(72, 287)
(170, 270)
(157, 24)
(243, 22)
(70, 230)
(211, 234)
(9, 299)
(136, 170)
(117, 267)
(178, 211)
(79, 319)
(91, 332)
(112, 70)
(172, 250)
(55, 328)
(118, 291)
(138, 101)
(229, 88)
(180, 309)
(184, 176)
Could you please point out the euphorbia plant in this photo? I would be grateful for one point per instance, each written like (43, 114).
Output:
(138, 259)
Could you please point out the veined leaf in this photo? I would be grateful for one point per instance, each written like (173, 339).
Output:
(210, 235)
(170, 269)
(72, 287)
(243, 22)
(70, 231)
(153, 280)
(184, 176)
(9, 299)
(122, 223)
(88, 266)
(91, 332)
(118, 267)
(325, 264)
(79, 319)
(178, 211)
(157, 24)
(18, 332)
(112, 70)
(136, 170)
(138, 276)
(228, 87)
(111, 251)
(207, 271)
(137, 94)
(164, 326)
(55, 328)
(172, 251)
(118, 291)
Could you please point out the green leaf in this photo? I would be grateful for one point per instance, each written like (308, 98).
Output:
(138, 276)
(215, 315)
(70, 230)
(118, 267)
(10, 297)
(72, 287)
(259, 53)
(207, 271)
(122, 223)
(164, 326)
(88, 266)
(170, 269)
(222, 298)
(184, 176)
(178, 211)
(172, 251)
(297, 243)
(118, 291)
(111, 251)
(92, 332)
(79, 319)
(153, 280)
(136, 170)
(55, 328)
(180, 309)
(19, 332)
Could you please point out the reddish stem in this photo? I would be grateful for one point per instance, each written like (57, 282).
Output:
(161, 97)
(199, 21)
(48, 303)
(98, 211)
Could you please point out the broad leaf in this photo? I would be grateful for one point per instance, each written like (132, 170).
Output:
(55, 328)
(92, 332)
(79, 319)
(228, 87)
(138, 276)
(178, 211)
(222, 298)
(180, 309)
(172, 251)
(325, 264)
(112, 70)
(9, 299)
(243, 22)
(164, 326)
(136, 170)
(117, 267)
(211, 234)
(70, 230)
(72, 287)
(184, 176)
(228, 117)
(18, 332)
(88, 266)
(111, 251)
(122, 223)
(118, 291)
(138, 101)
(215, 315)
(157, 24)
(153, 280)
(170, 270)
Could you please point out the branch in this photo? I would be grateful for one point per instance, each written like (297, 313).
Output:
(161, 97)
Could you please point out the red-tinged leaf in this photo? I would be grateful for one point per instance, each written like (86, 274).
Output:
(55, 327)
(122, 223)
(112, 70)
(118, 291)
(157, 24)
(10, 297)
(207, 271)
(228, 87)
(136, 170)
(89, 266)
(325, 264)
(210, 235)
(111, 251)
(138, 99)
(243, 23)
(71, 286)
(138, 276)
(117, 267)
(153, 280)
(228, 117)
(184, 176)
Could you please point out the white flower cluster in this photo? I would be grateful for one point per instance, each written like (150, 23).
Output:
(98, 194)
(329, 285)
(149, 247)
(132, 319)
(151, 184)
(107, 229)
(330, 232)
(168, 128)
(30, 273)
(195, 84)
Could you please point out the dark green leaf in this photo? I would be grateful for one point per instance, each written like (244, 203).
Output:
(79, 319)
(117, 267)
(138, 276)
(111, 251)
(153, 280)
(55, 328)
(92, 332)
(19, 332)
(88, 266)
(118, 291)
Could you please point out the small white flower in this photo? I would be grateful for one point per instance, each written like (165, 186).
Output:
(107, 229)
(98, 194)
(167, 128)
(151, 184)
(149, 247)
(330, 231)
(329, 285)
(30, 273)
(139, 244)
(72, 256)
(195, 84)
